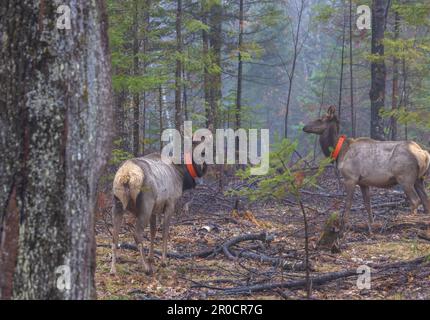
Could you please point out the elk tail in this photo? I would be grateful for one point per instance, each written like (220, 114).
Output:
(127, 183)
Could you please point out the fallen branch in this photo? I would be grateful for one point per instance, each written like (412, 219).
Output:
(199, 254)
(319, 280)
(276, 262)
(263, 236)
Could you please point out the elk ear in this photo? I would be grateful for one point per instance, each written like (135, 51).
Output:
(331, 111)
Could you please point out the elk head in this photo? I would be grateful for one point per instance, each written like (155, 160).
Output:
(323, 124)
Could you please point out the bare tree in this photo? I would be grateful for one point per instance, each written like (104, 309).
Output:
(296, 50)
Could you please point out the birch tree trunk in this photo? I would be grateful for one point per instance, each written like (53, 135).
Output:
(55, 133)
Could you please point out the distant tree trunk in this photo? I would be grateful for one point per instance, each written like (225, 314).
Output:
(206, 76)
(353, 125)
(395, 92)
(341, 65)
(55, 136)
(146, 30)
(215, 40)
(184, 93)
(293, 67)
(378, 70)
(119, 99)
(136, 95)
(239, 67)
(178, 102)
(404, 93)
(160, 105)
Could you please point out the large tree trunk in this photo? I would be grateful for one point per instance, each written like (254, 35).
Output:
(55, 132)
(378, 70)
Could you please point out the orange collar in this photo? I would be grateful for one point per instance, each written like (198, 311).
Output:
(189, 165)
(339, 145)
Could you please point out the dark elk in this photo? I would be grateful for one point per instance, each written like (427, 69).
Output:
(147, 187)
(370, 163)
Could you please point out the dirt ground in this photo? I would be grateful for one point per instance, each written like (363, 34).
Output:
(210, 221)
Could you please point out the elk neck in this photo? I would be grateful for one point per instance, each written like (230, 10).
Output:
(328, 138)
(328, 141)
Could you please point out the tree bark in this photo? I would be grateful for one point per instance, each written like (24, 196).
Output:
(55, 133)
(378, 70)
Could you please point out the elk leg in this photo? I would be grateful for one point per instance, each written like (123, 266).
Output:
(419, 188)
(117, 214)
(166, 224)
(349, 187)
(365, 191)
(413, 197)
(144, 212)
(153, 228)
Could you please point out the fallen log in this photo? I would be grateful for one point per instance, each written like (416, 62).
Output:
(320, 279)
(199, 254)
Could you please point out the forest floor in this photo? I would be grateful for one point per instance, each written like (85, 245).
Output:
(237, 272)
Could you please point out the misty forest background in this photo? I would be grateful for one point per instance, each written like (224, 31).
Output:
(269, 64)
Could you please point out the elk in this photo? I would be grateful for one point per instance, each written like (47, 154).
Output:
(147, 187)
(370, 163)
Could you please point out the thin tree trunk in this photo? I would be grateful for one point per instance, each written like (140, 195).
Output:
(404, 93)
(353, 126)
(395, 89)
(341, 65)
(160, 105)
(206, 76)
(378, 70)
(293, 68)
(146, 30)
(178, 73)
(55, 137)
(215, 41)
(184, 93)
(239, 68)
(136, 95)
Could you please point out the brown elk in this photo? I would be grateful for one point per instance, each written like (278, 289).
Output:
(148, 186)
(370, 163)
